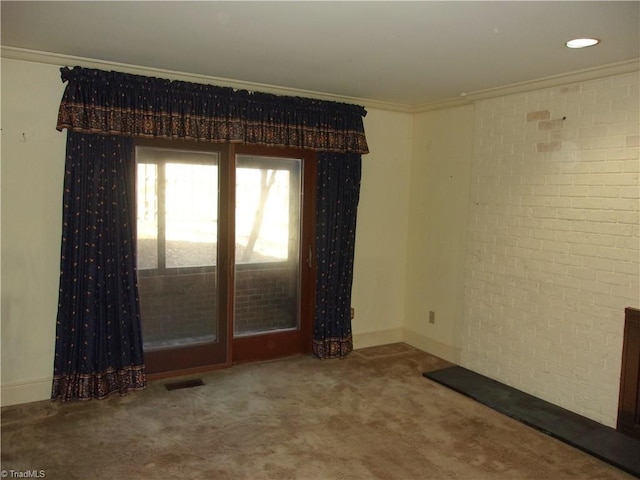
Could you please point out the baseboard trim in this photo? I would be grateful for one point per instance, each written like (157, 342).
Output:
(16, 393)
(429, 345)
(380, 337)
(38, 390)
(416, 340)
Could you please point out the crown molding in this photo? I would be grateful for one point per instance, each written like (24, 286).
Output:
(522, 87)
(61, 60)
(609, 70)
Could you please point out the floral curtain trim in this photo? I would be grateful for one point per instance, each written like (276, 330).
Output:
(332, 347)
(113, 103)
(99, 385)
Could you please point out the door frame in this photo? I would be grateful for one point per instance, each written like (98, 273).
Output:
(278, 344)
(191, 359)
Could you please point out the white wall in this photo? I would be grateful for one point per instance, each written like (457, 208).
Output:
(523, 238)
(32, 174)
(438, 213)
(553, 241)
(381, 234)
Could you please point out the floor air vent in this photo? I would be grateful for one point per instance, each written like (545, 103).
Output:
(184, 384)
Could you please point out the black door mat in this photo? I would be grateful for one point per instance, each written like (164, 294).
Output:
(587, 435)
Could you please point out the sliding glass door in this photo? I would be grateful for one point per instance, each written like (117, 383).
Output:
(177, 240)
(272, 265)
(267, 276)
(225, 257)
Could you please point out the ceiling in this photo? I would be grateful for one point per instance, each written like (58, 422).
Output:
(399, 53)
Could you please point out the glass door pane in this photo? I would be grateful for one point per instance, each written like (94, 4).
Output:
(267, 250)
(177, 203)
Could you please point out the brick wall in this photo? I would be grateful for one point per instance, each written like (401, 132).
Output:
(553, 247)
(266, 298)
(179, 308)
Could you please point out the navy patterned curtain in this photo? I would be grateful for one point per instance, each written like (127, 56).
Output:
(336, 211)
(98, 335)
(114, 103)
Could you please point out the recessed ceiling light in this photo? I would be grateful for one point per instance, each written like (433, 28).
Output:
(582, 42)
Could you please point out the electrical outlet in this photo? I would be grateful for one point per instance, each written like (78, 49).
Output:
(432, 316)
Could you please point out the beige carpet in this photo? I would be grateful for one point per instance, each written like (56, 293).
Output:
(371, 416)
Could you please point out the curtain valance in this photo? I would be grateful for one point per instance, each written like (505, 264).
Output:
(114, 103)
